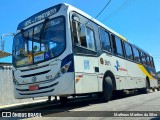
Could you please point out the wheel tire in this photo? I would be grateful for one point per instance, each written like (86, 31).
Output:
(63, 100)
(144, 90)
(107, 89)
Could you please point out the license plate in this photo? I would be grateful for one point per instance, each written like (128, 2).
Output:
(33, 87)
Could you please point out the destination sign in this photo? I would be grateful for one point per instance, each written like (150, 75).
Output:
(39, 16)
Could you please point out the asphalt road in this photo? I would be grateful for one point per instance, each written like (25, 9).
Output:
(119, 108)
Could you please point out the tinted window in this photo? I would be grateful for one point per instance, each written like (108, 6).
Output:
(105, 40)
(128, 50)
(136, 55)
(75, 33)
(152, 62)
(148, 60)
(143, 57)
(117, 45)
(39, 43)
(90, 38)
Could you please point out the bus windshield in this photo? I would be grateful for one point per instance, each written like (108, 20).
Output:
(39, 43)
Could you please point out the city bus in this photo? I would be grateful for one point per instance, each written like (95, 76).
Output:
(62, 51)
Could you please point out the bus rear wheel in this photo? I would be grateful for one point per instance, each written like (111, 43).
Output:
(107, 89)
(146, 89)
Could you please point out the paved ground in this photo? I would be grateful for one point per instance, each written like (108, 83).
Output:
(121, 106)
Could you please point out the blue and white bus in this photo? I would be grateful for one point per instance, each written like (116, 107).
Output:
(62, 51)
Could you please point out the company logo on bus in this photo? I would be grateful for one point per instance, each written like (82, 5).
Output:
(118, 68)
(34, 79)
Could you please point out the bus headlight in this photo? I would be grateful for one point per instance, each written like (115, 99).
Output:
(63, 70)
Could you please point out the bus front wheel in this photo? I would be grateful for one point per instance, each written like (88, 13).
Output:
(107, 89)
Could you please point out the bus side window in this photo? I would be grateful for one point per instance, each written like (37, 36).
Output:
(119, 46)
(90, 38)
(114, 45)
(152, 62)
(136, 55)
(143, 58)
(83, 38)
(148, 61)
(139, 59)
(105, 40)
(79, 34)
(75, 33)
(82, 35)
(128, 50)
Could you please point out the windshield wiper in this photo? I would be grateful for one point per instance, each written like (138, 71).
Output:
(43, 27)
(42, 31)
(22, 32)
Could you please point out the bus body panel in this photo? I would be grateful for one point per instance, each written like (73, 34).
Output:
(136, 78)
(62, 86)
(55, 82)
(85, 75)
(129, 76)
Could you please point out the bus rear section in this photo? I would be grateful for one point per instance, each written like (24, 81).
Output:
(106, 62)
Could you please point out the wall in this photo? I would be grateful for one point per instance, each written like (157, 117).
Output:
(6, 88)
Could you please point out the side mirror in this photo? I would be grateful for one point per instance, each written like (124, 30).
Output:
(2, 40)
(75, 17)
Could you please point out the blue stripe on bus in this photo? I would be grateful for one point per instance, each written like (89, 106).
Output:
(67, 59)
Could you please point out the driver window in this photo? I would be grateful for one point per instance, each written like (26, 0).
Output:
(83, 36)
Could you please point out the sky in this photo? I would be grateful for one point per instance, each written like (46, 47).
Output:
(137, 20)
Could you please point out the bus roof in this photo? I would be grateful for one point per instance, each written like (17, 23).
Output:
(71, 8)
(53, 10)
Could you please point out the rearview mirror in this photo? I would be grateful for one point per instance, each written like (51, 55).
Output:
(75, 17)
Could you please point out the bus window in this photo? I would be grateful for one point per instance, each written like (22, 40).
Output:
(90, 38)
(79, 34)
(83, 38)
(148, 60)
(136, 55)
(128, 50)
(75, 33)
(143, 58)
(117, 45)
(82, 35)
(151, 61)
(105, 40)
